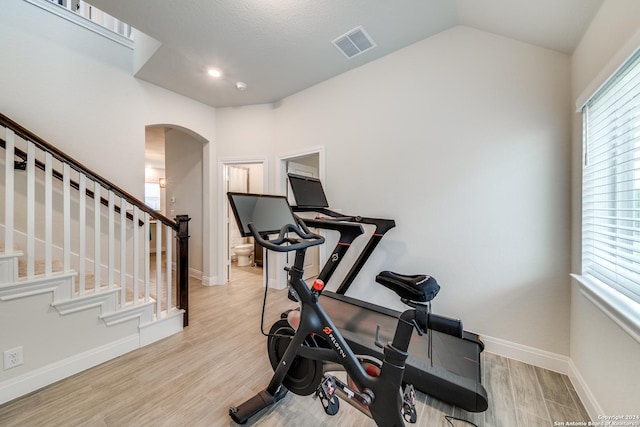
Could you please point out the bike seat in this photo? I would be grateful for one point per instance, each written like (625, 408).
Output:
(418, 288)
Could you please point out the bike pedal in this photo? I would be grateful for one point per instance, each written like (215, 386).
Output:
(409, 404)
(327, 393)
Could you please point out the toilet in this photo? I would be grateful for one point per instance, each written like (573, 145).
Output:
(244, 253)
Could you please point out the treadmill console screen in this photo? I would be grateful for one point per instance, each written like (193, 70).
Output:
(308, 192)
(267, 213)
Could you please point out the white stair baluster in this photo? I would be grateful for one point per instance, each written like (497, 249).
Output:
(82, 225)
(168, 255)
(66, 201)
(147, 256)
(97, 16)
(123, 252)
(9, 190)
(48, 213)
(111, 260)
(83, 10)
(31, 208)
(158, 268)
(96, 234)
(136, 255)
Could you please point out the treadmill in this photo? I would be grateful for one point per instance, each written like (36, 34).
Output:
(444, 362)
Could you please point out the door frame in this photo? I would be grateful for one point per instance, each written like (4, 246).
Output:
(281, 173)
(281, 165)
(223, 217)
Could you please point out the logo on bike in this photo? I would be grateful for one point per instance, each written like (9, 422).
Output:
(327, 330)
(334, 257)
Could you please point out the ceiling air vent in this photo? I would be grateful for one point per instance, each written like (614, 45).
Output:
(354, 42)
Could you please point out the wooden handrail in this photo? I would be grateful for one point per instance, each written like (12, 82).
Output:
(180, 226)
(58, 175)
(79, 167)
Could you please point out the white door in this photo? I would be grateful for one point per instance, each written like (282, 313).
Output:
(312, 258)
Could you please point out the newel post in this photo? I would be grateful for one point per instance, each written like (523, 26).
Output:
(182, 260)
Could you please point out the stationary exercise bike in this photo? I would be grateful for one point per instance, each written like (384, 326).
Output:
(313, 342)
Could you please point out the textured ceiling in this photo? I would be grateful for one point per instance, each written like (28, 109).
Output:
(280, 47)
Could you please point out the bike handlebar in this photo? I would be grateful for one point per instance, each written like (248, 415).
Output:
(307, 237)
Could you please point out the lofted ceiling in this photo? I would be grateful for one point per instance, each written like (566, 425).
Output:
(280, 47)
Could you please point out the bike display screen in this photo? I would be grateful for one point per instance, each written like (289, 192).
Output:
(308, 192)
(267, 213)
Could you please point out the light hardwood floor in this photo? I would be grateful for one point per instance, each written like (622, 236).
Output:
(191, 379)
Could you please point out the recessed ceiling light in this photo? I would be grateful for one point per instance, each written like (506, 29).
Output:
(214, 73)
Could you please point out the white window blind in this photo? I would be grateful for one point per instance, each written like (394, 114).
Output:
(611, 182)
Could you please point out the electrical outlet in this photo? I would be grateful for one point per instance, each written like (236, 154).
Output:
(13, 358)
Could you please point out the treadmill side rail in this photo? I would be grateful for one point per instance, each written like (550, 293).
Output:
(452, 373)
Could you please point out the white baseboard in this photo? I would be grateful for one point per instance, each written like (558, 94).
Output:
(197, 274)
(211, 281)
(533, 356)
(547, 360)
(159, 329)
(274, 283)
(36, 379)
(41, 377)
(584, 392)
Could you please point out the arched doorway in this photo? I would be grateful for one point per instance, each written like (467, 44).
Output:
(176, 169)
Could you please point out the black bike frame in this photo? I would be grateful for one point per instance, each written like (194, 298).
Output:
(386, 404)
(381, 227)
(347, 233)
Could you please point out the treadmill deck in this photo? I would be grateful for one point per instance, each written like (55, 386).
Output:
(451, 373)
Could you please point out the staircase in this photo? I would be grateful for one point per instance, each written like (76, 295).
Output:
(79, 284)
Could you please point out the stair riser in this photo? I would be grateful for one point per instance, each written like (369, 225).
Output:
(9, 267)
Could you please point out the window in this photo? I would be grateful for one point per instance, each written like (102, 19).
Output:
(152, 195)
(611, 183)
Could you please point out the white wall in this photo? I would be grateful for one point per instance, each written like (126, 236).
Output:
(243, 135)
(464, 140)
(604, 356)
(183, 167)
(245, 132)
(75, 89)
